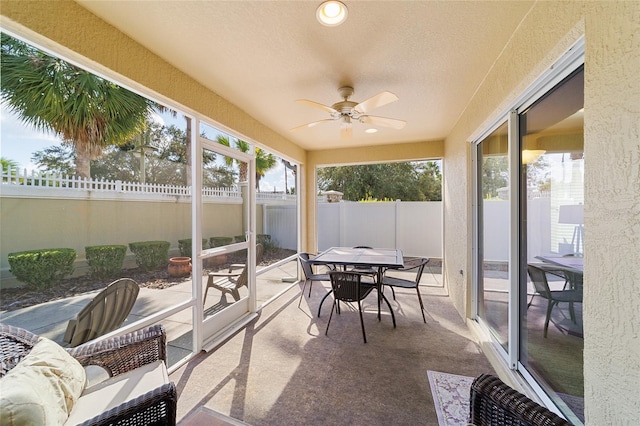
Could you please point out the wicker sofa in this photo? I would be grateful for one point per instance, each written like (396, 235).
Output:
(135, 388)
(494, 403)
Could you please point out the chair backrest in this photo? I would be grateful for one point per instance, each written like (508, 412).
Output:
(493, 403)
(243, 278)
(415, 263)
(306, 266)
(539, 279)
(423, 263)
(106, 312)
(347, 286)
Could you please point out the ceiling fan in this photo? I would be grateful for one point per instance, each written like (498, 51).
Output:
(347, 110)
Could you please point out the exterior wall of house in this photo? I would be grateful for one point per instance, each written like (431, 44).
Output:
(612, 183)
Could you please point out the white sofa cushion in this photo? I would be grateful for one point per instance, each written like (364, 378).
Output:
(117, 390)
(43, 388)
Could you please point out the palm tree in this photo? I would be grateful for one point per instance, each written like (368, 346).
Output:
(7, 164)
(264, 160)
(86, 111)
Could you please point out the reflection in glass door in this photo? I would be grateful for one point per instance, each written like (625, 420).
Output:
(493, 233)
(551, 228)
(227, 229)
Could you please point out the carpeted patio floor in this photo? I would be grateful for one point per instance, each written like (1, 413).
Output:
(283, 370)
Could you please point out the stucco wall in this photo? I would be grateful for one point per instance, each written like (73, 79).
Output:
(612, 176)
(32, 223)
(612, 214)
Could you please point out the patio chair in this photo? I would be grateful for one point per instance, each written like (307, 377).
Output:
(233, 280)
(136, 391)
(392, 281)
(566, 274)
(106, 312)
(348, 287)
(493, 403)
(309, 275)
(367, 270)
(539, 278)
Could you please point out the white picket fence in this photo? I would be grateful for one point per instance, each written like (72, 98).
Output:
(13, 181)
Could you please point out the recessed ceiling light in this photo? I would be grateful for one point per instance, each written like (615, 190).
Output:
(331, 13)
(371, 130)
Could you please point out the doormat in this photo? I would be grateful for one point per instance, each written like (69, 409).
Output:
(450, 397)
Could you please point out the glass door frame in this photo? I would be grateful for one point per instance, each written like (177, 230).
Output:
(213, 329)
(562, 68)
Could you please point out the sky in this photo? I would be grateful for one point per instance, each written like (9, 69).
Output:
(18, 142)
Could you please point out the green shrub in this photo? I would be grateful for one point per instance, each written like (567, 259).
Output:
(220, 241)
(185, 246)
(41, 269)
(105, 261)
(150, 255)
(240, 238)
(267, 243)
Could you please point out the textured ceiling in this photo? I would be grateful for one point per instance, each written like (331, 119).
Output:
(263, 55)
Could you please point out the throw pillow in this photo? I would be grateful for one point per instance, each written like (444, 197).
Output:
(42, 388)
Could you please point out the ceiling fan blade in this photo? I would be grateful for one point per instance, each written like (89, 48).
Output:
(374, 102)
(346, 132)
(316, 105)
(312, 124)
(383, 121)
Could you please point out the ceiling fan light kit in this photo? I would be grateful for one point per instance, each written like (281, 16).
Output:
(331, 13)
(347, 111)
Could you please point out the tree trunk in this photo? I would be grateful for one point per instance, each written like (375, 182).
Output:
(243, 172)
(83, 161)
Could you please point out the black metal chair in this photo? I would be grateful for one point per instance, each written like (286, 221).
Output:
(348, 287)
(539, 278)
(568, 275)
(367, 270)
(493, 403)
(309, 275)
(392, 281)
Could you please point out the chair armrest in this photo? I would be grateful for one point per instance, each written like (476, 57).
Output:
(157, 406)
(120, 354)
(15, 344)
(230, 274)
(490, 398)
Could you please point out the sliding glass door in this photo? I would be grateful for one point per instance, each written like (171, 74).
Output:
(529, 238)
(552, 244)
(493, 233)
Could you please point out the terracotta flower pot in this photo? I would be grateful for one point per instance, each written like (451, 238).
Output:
(179, 266)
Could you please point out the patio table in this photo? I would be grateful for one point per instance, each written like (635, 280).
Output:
(572, 265)
(570, 262)
(368, 257)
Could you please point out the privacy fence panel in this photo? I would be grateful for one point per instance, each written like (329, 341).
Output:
(328, 225)
(413, 227)
(281, 223)
(368, 224)
(419, 228)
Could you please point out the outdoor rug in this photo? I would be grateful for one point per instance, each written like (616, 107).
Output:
(451, 397)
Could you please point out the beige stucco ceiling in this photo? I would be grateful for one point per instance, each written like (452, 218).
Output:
(263, 55)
